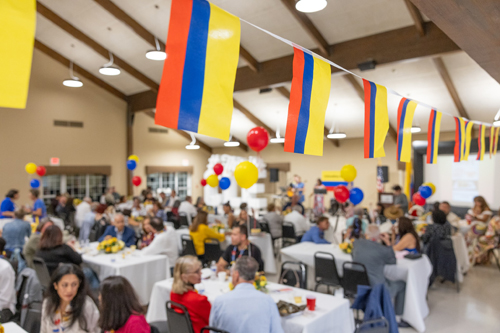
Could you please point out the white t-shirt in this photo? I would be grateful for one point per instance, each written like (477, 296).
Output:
(81, 210)
(164, 243)
(171, 201)
(7, 286)
(187, 208)
(299, 222)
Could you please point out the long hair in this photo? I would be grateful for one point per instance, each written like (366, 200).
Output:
(77, 303)
(201, 218)
(484, 205)
(51, 238)
(118, 302)
(405, 226)
(183, 265)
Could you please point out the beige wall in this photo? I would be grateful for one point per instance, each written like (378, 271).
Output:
(29, 135)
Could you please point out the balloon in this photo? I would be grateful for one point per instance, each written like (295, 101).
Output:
(418, 199)
(425, 191)
(30, 168)
(35, 183)
(348, 173)
(131, 164)
(134, 157)
(41, 171)
(203, 182)
(431, 185)
(257, 138)
(212, 180)
(356, 196)
(246, 174)
(218, 168)
(224, 183)
(136, 180)
(341, 193)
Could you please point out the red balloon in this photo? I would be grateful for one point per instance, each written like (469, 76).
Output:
(136, 180)
(203, 182)
(218, 168)
(341, 193)
(418, 199)
(41, 171)
(257, 138)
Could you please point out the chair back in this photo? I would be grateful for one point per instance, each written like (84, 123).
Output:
(380, 325)
(264, 226)
(212, 250)
(178, 318)
(209, 329)
(33, 320)
(294, 274)
(289, 230)
(355, 274)
(325, 269)
(187, 245)
(183, 221)
(93, 236)
(42, 272)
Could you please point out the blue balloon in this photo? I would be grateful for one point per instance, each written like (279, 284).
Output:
(131, 165)
(224, 183)
(35, 183)
(425, 191)
(356, 196)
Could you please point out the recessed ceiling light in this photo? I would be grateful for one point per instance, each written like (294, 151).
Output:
(416, 129)
(336, 136)
(310, 6)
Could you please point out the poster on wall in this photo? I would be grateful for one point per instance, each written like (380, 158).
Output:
(465, 178)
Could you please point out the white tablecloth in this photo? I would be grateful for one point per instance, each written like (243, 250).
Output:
(141, 271)
(262, 241)
(12, 327)
(332, 313)
(416, 273)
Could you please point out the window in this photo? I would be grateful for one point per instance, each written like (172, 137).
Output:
(78, 186)
(180, 181)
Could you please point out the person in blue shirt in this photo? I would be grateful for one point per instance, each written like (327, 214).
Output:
(316, 234)
(39, 209)
(358, 213)
(120, 231)
(16, 231)
(7, 207)
(245, 309)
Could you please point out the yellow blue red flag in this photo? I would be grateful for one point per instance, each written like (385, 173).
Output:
(481, 142)
(459, 139)
(433, 130)
(468, 137)
(376, 119)
(406, 110)
(494, 140)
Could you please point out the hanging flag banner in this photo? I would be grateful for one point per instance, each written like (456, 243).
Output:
(17, 38)
(468, 138)
(433, 130)
(481, 142)
(196, 88)
(459, 139)
(376, 119)
(494, 140)
(406, 110)
(308, 101)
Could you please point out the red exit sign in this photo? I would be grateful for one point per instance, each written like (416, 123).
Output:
(54, 161)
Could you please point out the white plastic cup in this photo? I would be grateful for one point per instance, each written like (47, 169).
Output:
(222, 276)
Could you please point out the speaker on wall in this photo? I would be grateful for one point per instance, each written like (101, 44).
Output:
(274, 175)
(384, 172)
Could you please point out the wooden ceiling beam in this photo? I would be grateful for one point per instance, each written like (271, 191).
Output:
(252, 117)
(250, 60)
(416, 17)
(309, 27)
(104, 52)
(79, 70)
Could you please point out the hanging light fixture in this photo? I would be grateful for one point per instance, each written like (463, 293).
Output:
(73, 81)
(108, 69)
(157, 54)
(310, 6)
(277, 139)
(231, 143)
(496, 123)
(192, 145)
(338, 135)
(416, 129)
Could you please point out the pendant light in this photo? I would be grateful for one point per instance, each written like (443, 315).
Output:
(231, 143)
(108, 69)
(310, 6)
(157, 54)
(192, 145)
(277, 139)
(73, 81)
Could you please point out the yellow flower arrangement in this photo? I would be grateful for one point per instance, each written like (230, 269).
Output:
(111, 245)
(346, 247)
(260, 282)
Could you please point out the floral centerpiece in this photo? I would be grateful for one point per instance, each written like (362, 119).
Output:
(217, 227)
(346, 247)
(111, 245)
(260, 282)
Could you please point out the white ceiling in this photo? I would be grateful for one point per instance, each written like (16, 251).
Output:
(339, 21)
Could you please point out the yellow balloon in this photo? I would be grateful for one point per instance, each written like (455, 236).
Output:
(348, 173)
(431, 185)
(246, 174)
(135, 158)
(30, 168)
(212, 180)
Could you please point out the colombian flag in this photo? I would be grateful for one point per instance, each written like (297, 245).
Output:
(433, 136)
(196, 89)
(406, 110)
(459, 139)
(494, 140)
(376, 119)
(481, 142)
(468, 137)
(308, 101)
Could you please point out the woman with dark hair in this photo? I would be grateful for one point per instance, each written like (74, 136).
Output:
(31, 245)
(53, 251)
(378, 214)
(7, 207)
(441, 228)
(481, 212)
(228, 213)
(121, 311)
(407, 237)
(200, 231)
(67, 307)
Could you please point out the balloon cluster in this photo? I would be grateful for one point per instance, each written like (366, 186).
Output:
(424, 192)
(342, 193)
(132, 162)
(213, 180)
(31, 168)
(245, 173)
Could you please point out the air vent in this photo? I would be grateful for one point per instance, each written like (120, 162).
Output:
(66, 123)
(157, 130)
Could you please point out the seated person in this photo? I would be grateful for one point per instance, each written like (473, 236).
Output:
(200, 231)
(245, 309)
(158, 211)
(298, 220)
(31, 245)
(245, 218)
(295, 202)
(355, 230)
(120, 231)
(137, 208)
(317, 233)
(407, 238)
(16, 231)
(378, 214)
(451, 217)
(274, 220)
(480, 213)
(187, 273)
(440, 228)
(187, 208)
(164, 241)
(7, 291)
(358, 213)
(88, 222)
(228, 213)
(239, 248)
(147, 233)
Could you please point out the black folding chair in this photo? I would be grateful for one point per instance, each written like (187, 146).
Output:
(42, 272)
(212, 250)
(355, 274)
(33, 320)
(178, 319)
(380, 325)
(187, 245)
(212, 329)
(294, 274)
(289, 236)
(183, 221)
(264, 226)
(325, 270)
(159, 327)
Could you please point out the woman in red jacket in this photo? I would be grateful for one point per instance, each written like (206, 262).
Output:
(187, 273)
